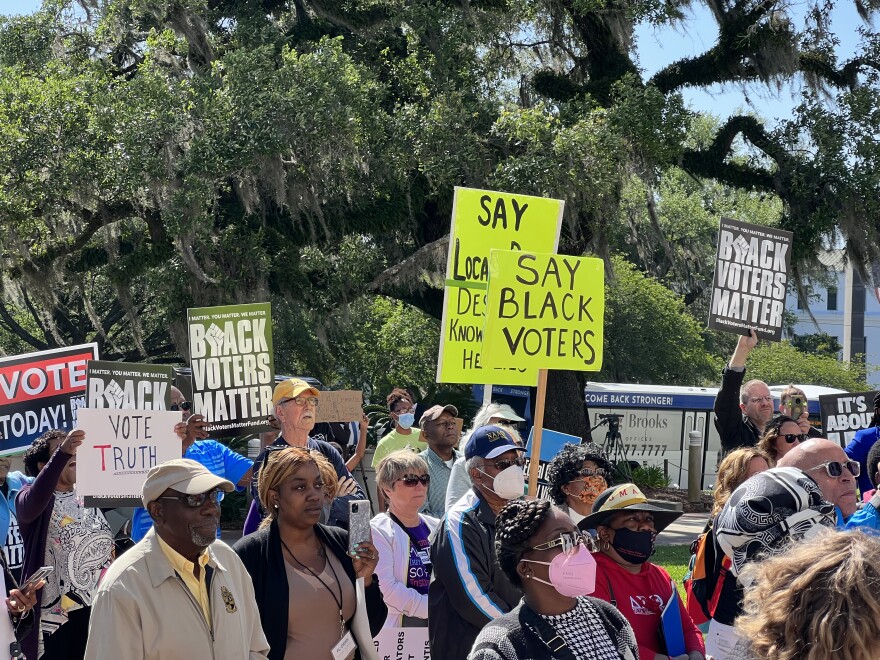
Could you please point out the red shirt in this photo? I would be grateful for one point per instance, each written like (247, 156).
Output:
(641, 597)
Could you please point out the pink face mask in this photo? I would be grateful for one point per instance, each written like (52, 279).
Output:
(571, 574)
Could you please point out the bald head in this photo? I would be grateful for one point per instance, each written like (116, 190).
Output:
(811, 457)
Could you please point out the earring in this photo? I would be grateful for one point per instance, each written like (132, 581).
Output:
(276, 506)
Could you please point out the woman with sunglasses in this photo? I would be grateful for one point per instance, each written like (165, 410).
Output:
(401, 537)
(626, 527)
(541, 551)
(781, 435)
(304, 578)
(578, 474)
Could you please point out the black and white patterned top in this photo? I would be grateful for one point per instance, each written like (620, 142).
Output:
(583, 632)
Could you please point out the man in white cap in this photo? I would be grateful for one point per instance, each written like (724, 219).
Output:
(178, 593)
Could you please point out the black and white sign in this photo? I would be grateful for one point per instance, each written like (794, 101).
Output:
(845, 414)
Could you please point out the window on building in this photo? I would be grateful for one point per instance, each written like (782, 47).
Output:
(832, 299)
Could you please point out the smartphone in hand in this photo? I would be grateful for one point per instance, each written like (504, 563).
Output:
(359, 515)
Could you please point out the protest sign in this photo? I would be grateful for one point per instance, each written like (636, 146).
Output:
(403, 644)
(341, 406)
(128, 386)
(483, 220)
(551, 444)
(41, 391)
(544, 311)
(232, 367)
(751, 275)
(845, 414)
(119, 449)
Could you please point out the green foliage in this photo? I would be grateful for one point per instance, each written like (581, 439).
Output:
(650, 337)
(782, 363)
(818, 343)
(650, 476)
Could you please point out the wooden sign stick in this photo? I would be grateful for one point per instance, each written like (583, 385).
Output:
(534, 464)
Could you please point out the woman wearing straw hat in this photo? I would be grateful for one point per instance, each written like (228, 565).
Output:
(626, 528)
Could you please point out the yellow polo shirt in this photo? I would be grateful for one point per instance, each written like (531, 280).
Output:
(198, 586)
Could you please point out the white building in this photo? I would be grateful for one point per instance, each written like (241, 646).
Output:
(847, 310)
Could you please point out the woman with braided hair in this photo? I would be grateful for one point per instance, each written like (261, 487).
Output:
(541, 551)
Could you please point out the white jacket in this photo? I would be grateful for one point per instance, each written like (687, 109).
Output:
(393, 543)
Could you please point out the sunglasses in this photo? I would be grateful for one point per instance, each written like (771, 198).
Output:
(413, 480)
(589, 472)
(834, 469)
(195, 501)
(506, 463)
(791, 438)
(302, 400)
(506, 422)
(569, 541)
(183, 405)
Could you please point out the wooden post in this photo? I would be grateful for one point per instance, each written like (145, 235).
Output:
(536, 434)
(487, 395)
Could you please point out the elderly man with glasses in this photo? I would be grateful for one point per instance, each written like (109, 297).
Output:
(296, 411)
(826, 463)
(179, 593)
(741, 410)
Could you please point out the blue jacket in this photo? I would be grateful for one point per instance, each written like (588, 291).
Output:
(858, 450)
(15, 480)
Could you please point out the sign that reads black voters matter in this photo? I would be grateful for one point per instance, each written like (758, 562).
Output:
(126, 386)
(843, 415)
(41, 391)
(751, 274)
(233, 371)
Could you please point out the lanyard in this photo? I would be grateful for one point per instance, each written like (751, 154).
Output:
(338, 600)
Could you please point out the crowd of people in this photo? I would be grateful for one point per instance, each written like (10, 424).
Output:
(785, 567)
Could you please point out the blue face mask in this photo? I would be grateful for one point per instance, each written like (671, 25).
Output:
(406, 420)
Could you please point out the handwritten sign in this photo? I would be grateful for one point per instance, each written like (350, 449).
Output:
(41, 391)
(845, 414)
(232, 367)
(341, 406)
(119, 449)
(544, 311)
(483, 220)
(751, 275)
(127, 386)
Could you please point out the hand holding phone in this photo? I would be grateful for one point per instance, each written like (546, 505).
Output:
(37, 576)
(359, 531)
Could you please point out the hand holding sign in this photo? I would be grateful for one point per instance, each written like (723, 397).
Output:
(73, 440)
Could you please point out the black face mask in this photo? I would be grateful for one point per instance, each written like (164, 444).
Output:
(634, 547)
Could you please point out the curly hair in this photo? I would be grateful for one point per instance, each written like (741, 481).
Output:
(515, 525)
(40, 451)
(871, 463)
(731, 473)
(284, 463)
(397, 395)
(767, 443)
(819, 600)
(568, 462)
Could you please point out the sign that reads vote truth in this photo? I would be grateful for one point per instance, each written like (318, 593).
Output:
(41, 391)
(232, 367)
(122, 385)
(483, 220)
(751, 274)
(119, 449)
(845, 414)
(544, 311)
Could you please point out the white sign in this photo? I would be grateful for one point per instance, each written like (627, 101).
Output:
(119, 449)
(403, 644)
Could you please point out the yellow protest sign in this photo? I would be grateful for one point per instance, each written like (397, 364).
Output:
(483, 220)
(544, 311)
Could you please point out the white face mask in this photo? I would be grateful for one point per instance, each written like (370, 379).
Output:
(406, 420)
(510, 483)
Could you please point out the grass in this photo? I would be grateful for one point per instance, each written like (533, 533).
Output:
(674, 558)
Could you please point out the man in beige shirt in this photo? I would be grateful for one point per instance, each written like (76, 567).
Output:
(179, 593)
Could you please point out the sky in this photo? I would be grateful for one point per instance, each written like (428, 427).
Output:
(659, 47)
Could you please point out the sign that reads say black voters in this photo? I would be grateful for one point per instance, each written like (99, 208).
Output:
(232, 367)
(751, 275)
(41, 391)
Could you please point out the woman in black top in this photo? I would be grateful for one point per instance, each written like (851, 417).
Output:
(529, 536)
(301, 570)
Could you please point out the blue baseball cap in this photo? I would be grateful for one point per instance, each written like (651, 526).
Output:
(489, 442)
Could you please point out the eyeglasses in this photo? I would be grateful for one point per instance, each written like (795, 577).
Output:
(589, 472)
(195, 501)
(761, 399)
(834, 469)
(505, 463)
(183, 405)
(301, 401)
(569, 541)
(791, 438)
(506, 422)
(413, 480)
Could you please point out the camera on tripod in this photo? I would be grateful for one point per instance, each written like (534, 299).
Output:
(612, 420)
